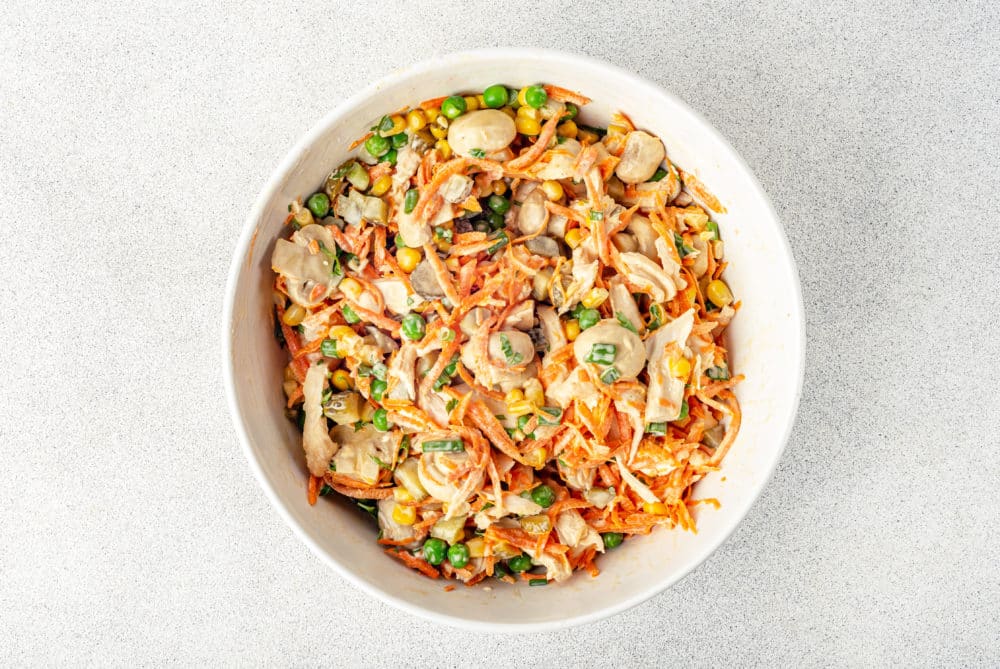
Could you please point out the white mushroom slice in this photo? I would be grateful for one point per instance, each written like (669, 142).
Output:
(557, 226)
(389, 527)
(700, 265)
(456, 189)
(532, 215)
(474, 320)
(645, 236)
(401, 369)
(425, 282)
(669, 261)
(543, 246)
(521, 317)
(666, 393)
(489, 375)
(557, 163)
(576, 386)
(397, 298)
(486, 130)
(359, 450)
(630, 355)
(624, 242)
(304, 270)
(574, 531)
(643, 154)
(551, 328)
(649, 277)
(316, 442)
(624, 304)
(511, 348)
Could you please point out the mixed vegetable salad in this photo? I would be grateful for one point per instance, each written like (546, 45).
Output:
(505, 330)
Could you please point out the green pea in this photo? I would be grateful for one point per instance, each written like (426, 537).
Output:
(588, 318)
(399, 140)
(498, 203)
(390, 157)
(495, 96)
(381, 420)
(520, 563)
(434, 551)
(453, 106)
(378, 389)
(414, 326)
(536, 96)
(319, 204)
(377, 145)
(458, 555)
(612, 539)
(410, 200)
(496, 220)
(543, 496)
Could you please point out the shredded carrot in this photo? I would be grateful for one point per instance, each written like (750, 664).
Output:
(313, 489)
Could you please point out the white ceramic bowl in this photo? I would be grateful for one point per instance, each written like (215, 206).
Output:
(766, 342)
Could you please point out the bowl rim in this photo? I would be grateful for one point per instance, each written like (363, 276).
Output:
(282, 171)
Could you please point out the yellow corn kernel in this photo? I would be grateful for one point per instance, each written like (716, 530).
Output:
(509, 112)
(617, 129)
(567, 129)
(655, 508)
(552, 189)
(514, 395)
(471, 103)
(574, 237)
(408, 259)
(538, 524)
(472, 204)
(522, 408)
(444, 148)
(415, 120)
(425, 136)
(452, 264)
(594, 298)
(342, 380)
(438, 132)
(381, 185)
(527, 126)
(537, 457)
(341, 332)
(529, 112)
(293, 315)
(587, 136)
(499, 187)
(442, 245)
(401, 495)
(404, 515)
(304, 217)
(432, 114)
(572, 328)
(481, 100)
(367, 412)
(521, 97)
(351, 288)
(534, 393)
(719, 294)
(504, 551)
(680, 367)
(398, 126)
(476, 546)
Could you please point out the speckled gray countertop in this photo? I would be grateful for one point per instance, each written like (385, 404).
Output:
(132, 142)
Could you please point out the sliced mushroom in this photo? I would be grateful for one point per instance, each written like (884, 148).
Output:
(624, 242)
(511, 348)
(645, 235)
(532, 215)
(380, 340)
(486, 130)
(630, 355)
(624, 304)
(397, 298)
(309, 276)
(521, 317)
(643, 154)
(425, 282)
(543, 246)
(700, 265)
(474, 320)
(316, 440)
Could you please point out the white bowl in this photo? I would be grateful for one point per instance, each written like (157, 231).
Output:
(766, 341)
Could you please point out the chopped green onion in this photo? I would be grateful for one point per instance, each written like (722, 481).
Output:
(684, 411)
(602, 354)
(325, 490)
(444, 233)
(410, 200)
(536, 582)
(329, 348)
(717, 373)
(452, 403)
(658, 174)
(713, 227)
(682, 248)
(659, 429)
(596, 215)
(502, 240)
(625, 322)
(379, 371)
(610, 375)
(364, 371)
(350, 316)
(477, 153)
(443, 445)
(508, 351)
(446, 334)
(384, 125)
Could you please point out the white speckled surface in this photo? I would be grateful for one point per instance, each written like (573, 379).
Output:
(132, 141)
